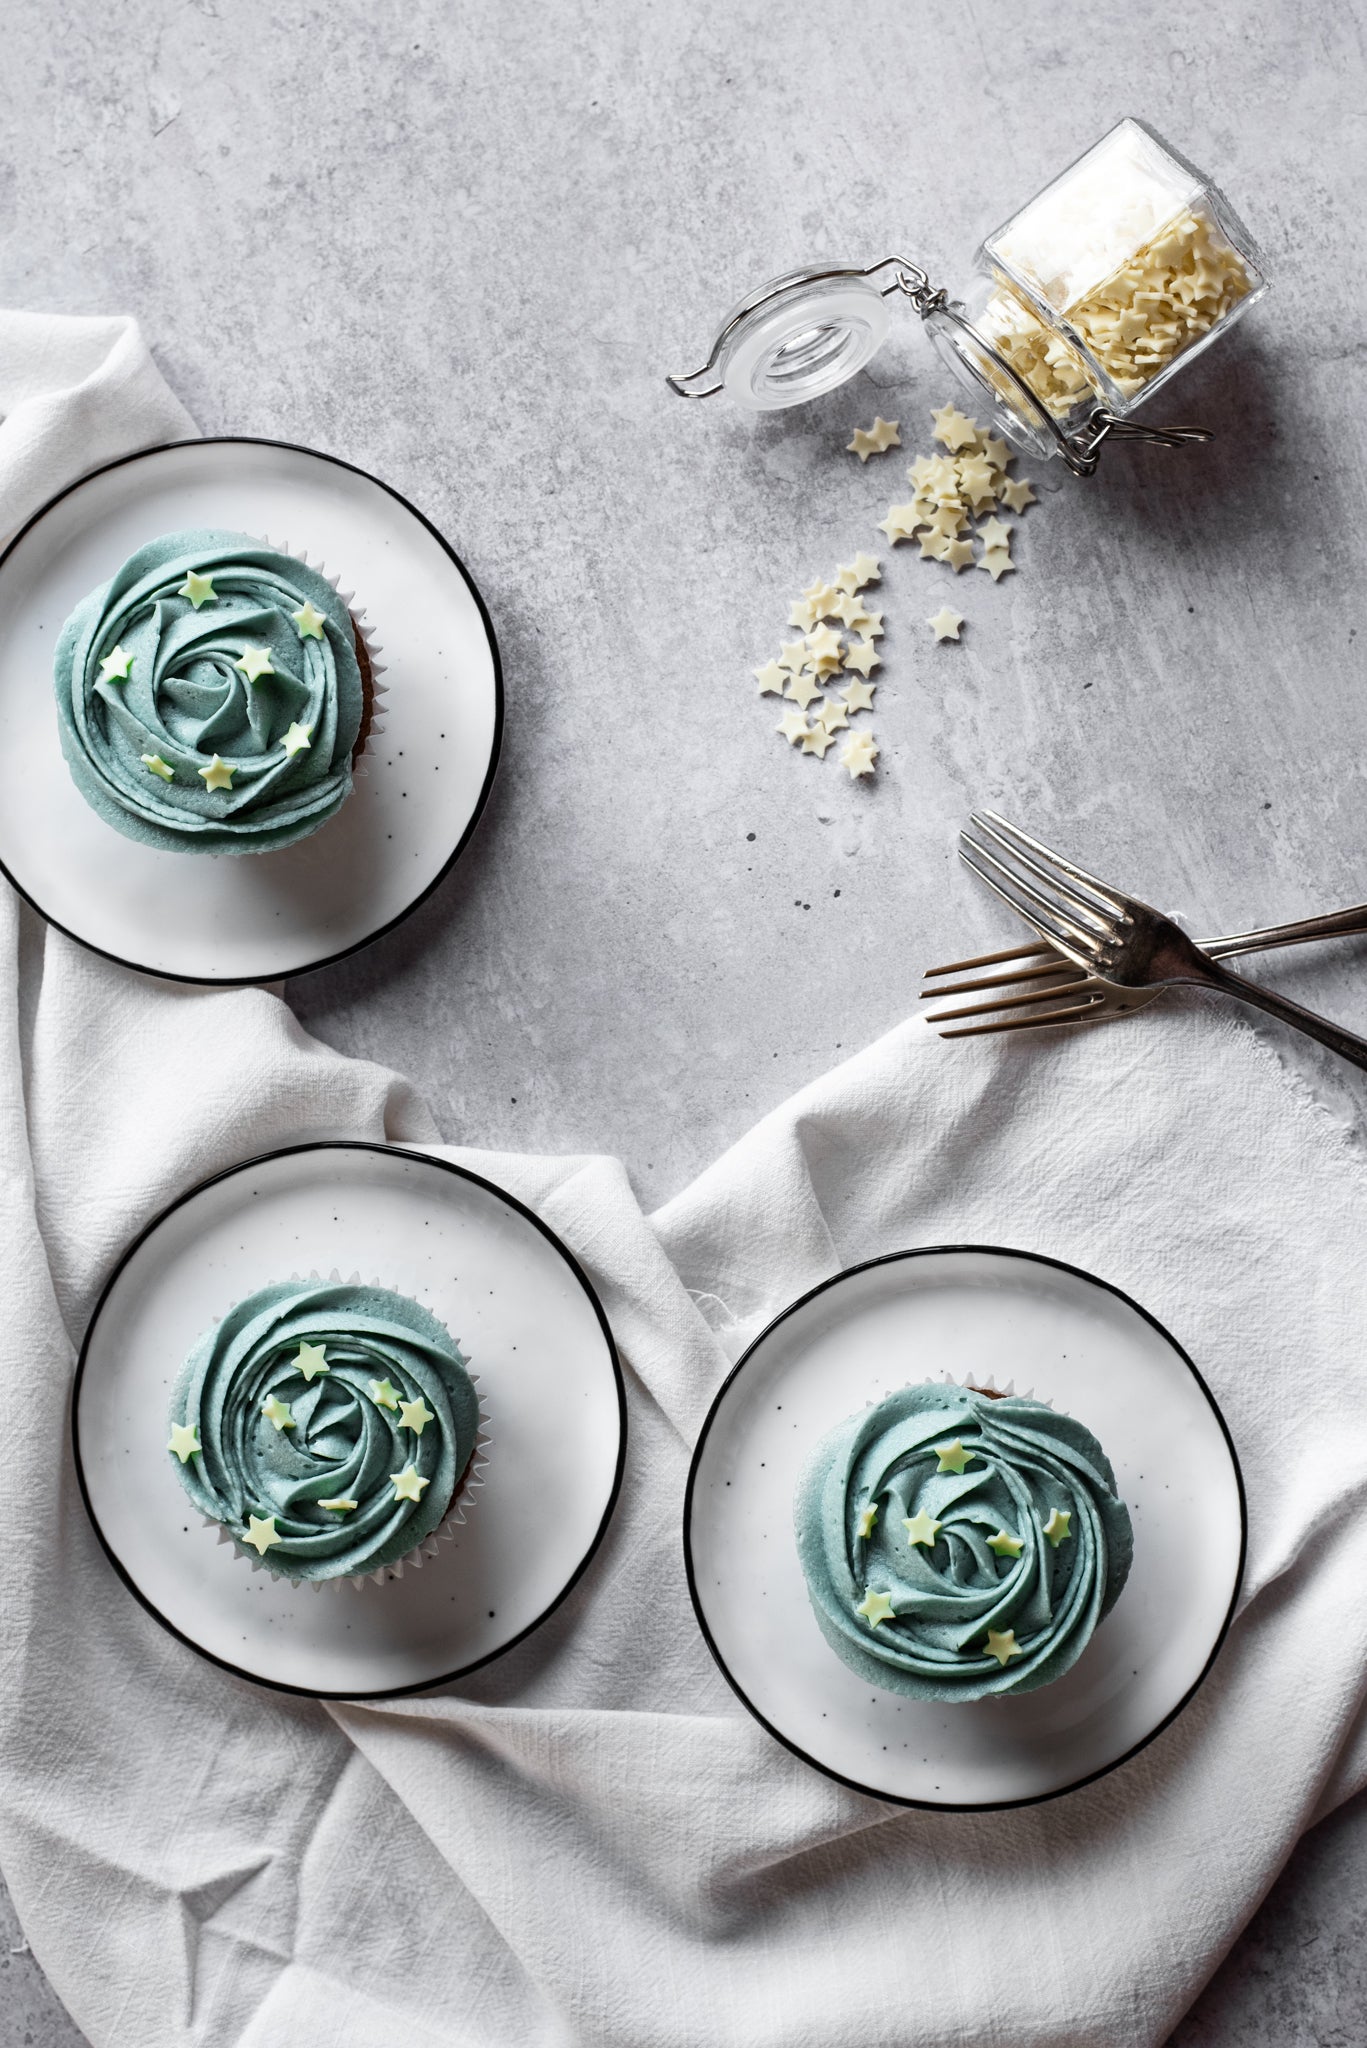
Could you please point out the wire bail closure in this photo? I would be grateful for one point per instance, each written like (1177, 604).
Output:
(769, 362)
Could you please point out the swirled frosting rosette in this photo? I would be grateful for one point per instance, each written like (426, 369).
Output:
(958, 1544)
(210, 696)
(325, 1425)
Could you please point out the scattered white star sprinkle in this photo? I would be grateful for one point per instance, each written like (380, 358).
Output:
(875, 440)
(945, 624)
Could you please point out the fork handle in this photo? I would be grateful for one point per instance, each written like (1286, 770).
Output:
(1340, 924)
(1346, 1044)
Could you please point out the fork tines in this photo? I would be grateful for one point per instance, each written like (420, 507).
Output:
(1073, 911)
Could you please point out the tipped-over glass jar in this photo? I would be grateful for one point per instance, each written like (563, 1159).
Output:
(1084, 303)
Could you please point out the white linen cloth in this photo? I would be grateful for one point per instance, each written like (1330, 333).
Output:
(590, 1842)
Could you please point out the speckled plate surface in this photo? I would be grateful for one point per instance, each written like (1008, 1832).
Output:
(550, 1390)
(257, 917)
(988, 1315)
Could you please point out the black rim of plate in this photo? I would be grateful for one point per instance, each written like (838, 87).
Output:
(891, 1259)
(402, 1152)
(381, 931)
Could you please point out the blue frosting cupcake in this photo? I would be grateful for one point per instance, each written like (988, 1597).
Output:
(211, 696)
(959, 1544)
(326, 1426)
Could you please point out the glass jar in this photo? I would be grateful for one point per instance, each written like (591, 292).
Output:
(1085, 302)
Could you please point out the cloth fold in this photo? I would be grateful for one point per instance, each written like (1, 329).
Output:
(589, 1844)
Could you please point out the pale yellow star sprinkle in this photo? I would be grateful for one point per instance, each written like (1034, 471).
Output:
(997, 563)
(993, 533)
(802, 689)
(184, 1441)
(1003, 1645)
(859, 755)
(792, 725)
(415, 1415)
(959, 555)
(863, 656)
(383, 1394)
(218, 775)
(876, 1607)
(408, 1485)
(154, 765)
(874, 440)
(793, 655)
(339, 1505)
(921, 1527)
(199, 589)
(114, 668)
(945, 624)
(261, 1533)
(823, 648)
(816, 739)
(954, 428)
(832, 715)
(858, 696)
(309, 622)
(770, 678)
(867, 1517)
(1059, 1526)
(801, 615)
(255, 662)
(278, 1412)
(296, 739)
(311, 1360)
(901, 522)
(1018, 494)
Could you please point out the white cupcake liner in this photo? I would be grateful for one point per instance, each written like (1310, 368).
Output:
(463, 1499)
(379, 690)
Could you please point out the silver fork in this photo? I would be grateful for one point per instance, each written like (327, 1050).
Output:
(1116, 937)
(1032, 976)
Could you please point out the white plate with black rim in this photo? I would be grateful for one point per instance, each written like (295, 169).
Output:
(990, 1316)
(253, 917)
(550, 1387)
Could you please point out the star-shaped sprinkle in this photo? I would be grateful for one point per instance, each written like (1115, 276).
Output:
(114, 668)
(921, 1528)
(310, 1360)
(945, 624)
(993, 533)
(802, 689)
(309, 622)
(874, 440)
(958, 554)
(218, 775)
(816, 739)
(154, 765)
(184, 1441)
(954, 428)
(415, 1415)
(801, 615)
(792, 725)
(866, 570)
(824, 646)
(255, 662)
(832, 715)
(1018, 494)
(870, 625)
(863, 656)
(199, 589)
(933, 547)
(278, 1412)
(261, 1533)
(859, 756)
(875, 1607)
(923, 471)
(1058, 1527)
(340, 1504)
(858, 696)
(867, 1517)
(901, 522)
(383, 1394)
(997, 563)
(975, 474)
(814, 590)
(824, 601)
(949, 520)
(998, 453)
(296, 739)
(407, 1484)
(1002, 1645)
(771, 678)
(1005, 1544)
(953, 1457)
(847, 607)
(793, 655)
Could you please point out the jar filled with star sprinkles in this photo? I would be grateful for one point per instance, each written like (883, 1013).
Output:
(1087, 301)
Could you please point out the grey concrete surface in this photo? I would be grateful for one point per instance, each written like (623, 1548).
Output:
(461, 244)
